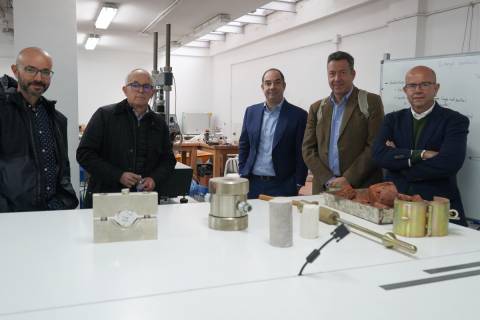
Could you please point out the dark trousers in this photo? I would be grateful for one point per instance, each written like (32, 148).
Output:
(271, 187)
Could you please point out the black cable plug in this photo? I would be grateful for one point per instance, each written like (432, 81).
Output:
(339, 233)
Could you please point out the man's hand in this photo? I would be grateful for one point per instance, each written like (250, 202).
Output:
(390, 144)
(129, 179)
(428, 154)
(148, 184)
(338, 182)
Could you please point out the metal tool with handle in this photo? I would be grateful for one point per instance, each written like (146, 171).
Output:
(329, 216)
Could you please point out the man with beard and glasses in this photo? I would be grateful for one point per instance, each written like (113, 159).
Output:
(270, 153)
(34, 165)
(126, 144)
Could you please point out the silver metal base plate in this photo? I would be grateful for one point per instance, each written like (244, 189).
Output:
(228, 224)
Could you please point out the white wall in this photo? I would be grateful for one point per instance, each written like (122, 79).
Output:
(36, 24)
(5, 64)
(301, 54)
(299, 44)
(102, 73)
(6, 53)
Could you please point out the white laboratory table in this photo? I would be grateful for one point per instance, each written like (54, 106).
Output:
(51, 269)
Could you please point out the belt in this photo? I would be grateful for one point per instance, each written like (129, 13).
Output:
(263, 178)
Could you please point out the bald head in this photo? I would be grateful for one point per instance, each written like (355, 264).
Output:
(426, 71)
(421, 87)
(27, 55)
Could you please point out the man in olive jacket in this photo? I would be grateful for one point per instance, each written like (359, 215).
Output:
(126, 144)
(341, 129)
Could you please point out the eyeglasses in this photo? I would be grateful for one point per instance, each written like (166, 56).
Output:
(33, 71)
(421, 85)
(136, 86)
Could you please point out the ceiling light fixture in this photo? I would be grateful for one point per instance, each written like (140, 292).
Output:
(207, 27)
(106, 15)
(92, 41)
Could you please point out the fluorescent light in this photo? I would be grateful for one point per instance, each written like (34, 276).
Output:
(230, 29)
(212, 37)
(251, 18)
(198, 44)
(211, 24)
(280, 6)
(106, 15)
(92, 41)
(261, 12)
(235, 23)
(81, 38)
(207, 27)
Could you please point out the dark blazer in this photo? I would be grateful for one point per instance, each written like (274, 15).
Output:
(446, 132)
(287, 142)
(108, 148)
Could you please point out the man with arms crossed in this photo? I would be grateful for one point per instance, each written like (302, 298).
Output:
(423, 147)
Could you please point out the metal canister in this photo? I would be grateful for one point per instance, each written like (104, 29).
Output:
(228, 203)
(410, 218)
(439, 216)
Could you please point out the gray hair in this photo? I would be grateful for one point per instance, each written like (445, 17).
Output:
(139, 70)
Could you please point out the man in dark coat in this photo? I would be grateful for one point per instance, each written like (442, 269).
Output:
(423, 147)
(34, 166)
(126, 144)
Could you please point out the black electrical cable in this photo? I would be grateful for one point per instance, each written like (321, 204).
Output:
(339, 233)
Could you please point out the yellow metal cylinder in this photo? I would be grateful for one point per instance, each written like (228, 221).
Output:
(410, 218)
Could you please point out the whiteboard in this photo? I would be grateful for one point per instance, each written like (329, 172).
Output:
(459, 79)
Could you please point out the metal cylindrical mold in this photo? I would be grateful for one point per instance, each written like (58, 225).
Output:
(228, 203)
(410, 218)
(439, 216)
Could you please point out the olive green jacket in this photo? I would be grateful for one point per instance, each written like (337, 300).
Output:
(357, 133)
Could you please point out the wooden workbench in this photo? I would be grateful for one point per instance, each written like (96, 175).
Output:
(219, 154)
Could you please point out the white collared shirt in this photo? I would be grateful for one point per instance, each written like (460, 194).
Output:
(419, 116)
(263, 165)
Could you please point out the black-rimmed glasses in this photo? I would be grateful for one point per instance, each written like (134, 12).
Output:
(31, 70)
(421, 85)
